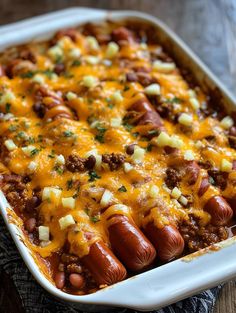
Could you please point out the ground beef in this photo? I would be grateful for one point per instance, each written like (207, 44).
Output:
(197, 237)
(74, 163)
(74, 268)
(32, 203)
(219, 178)
(114, 160)
(26, 54)
(15, 190)
(172, 178)
(69, 258)
(143, 78)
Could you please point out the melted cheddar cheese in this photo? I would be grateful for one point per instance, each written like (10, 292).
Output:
(85, 108)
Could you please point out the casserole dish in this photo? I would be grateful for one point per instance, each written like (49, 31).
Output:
(153, 293)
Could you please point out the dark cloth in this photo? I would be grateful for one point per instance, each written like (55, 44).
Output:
(36, 300)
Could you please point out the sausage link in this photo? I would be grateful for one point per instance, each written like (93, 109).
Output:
(2, 71)
(219, 209)
(147, 115)
(192, 171)
(122, 34)
(72, 33)
(186, 170)
(203, 186)
(167, 240)
(18, 67)
(105, 268)
(57, 112)
(129, 243)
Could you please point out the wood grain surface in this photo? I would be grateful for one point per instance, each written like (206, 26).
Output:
(207, 26)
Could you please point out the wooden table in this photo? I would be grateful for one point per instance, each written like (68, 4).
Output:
(207, 26)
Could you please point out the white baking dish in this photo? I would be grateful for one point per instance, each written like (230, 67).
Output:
(168, 283)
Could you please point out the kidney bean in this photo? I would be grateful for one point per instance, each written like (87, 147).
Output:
(32, 203)
(30, 224)
(130, 149)
(76, 280)
(60, 280)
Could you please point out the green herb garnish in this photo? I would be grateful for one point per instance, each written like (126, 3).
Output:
(101, 132)
(29, 74)
(122, 189)
(93, 176)
(69, 184)
(12, 128)
(52, 154)
(34, 152)
(8, 107)
(68, 133)
(95, 218)
(76, 63)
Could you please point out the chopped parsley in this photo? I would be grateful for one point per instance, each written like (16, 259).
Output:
(28, 74)
(34, 152)
(12, 128)
(76, 63)
(59, 169)
(174, 100)
(69, 184)
(153, 132)
(126, 88)
(128, 126)
(95, 218)
(48, 73)
(122, 189)
(40, 138)
(135, 135)
(68, 75)
(149, 147)
(52, 154)
(110, 106)
(68, 133)
(93, 176)
(8, 107)
(30, 140)
(101, 132)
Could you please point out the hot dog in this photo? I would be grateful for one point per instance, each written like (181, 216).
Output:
(105, 268)
(122, 35)
(188, 171)
(167, 240)
(192, 171)
(58, 111)
(146, 115)
(52, 104)
(129, 243)
(219, 209)
(2, 71)
(203, 186)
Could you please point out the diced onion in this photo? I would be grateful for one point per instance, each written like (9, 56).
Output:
(68, 203)
(227, 122)
(10, 145)
(153, 90)
(112, 50)
(43, 233)
(106, 198)
(66, 221)
(226, 166)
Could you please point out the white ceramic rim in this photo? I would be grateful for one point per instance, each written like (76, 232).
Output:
(163, 285)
